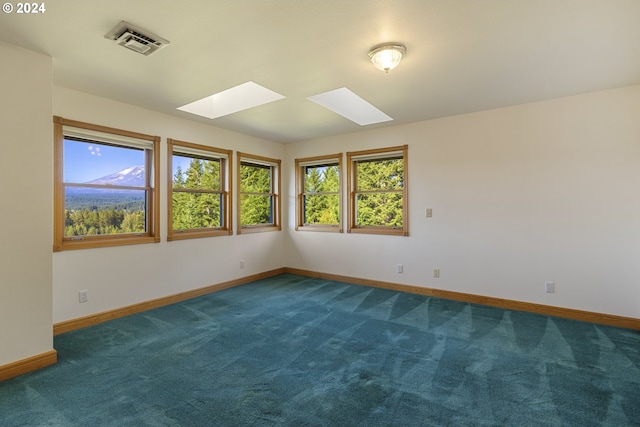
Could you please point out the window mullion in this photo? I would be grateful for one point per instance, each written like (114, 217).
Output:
(197, 190)
(391, 190)
(107, 187)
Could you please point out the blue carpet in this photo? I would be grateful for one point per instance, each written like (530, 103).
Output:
(296, 351)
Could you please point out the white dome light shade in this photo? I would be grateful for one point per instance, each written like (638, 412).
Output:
(387, 56)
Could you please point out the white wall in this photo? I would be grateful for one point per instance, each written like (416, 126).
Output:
(26, 166)
(521, 195)
(125, 275)
(540, 192)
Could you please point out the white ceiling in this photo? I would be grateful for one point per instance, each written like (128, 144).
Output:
(462, 55)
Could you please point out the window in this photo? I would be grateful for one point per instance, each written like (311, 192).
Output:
(319, 193)
(259, 202)
(378, 192)
(106, 184)
(199, 191)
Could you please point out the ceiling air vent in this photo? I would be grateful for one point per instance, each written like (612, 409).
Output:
(136, 39)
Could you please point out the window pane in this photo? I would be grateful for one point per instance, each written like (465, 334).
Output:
(193, 173)
(322, 209)
(92, 162)
(256, 209)
(255, 178)
(105, 186)
(324, 178)
(97, 211)
(379, 209)
(191, 211)
(384, 174)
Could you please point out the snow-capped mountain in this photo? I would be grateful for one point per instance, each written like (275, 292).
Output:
(91, 198)
(132, 177)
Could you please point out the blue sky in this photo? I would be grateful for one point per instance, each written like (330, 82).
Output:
(183, 162)
(84, 161)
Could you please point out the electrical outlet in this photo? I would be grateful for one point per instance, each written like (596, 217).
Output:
(400, 268)
(429, 212)
(549, 287)
(241, 263)
(436, 273)
(83, 296)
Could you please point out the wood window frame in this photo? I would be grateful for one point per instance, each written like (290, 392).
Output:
(300, 164)
(213, 153)
(376, 154)
(276, 187)
(152, 168)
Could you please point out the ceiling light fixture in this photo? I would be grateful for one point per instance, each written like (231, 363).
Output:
(387, 56)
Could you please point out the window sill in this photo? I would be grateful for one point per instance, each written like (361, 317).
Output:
(258, 229)
(89, 243)
(196, 234)
(320, 228)
(381, 230)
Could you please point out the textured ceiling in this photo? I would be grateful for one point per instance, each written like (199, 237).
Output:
(462, 55)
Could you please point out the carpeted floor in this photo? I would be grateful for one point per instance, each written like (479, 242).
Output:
(295, 351)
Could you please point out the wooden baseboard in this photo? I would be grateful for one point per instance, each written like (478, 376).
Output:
(29, 364)
(568, 313)
(94, 319)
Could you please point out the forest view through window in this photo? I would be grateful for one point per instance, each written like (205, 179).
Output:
(321, 195)
(378, 191)
(197, 197)
(259, 204)
(199, 191)
(105, 183)
(256, 198)
(105, 189)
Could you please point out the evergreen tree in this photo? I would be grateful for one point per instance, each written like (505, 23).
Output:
(133, 222)
(383, 206)
(322, 208)
(379, 200)
(193, 210)
(178, 178)
(256, 202)
(313, 204)
(331, 184)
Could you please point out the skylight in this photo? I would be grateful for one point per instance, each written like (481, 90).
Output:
(349, 105)
(238, 98)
